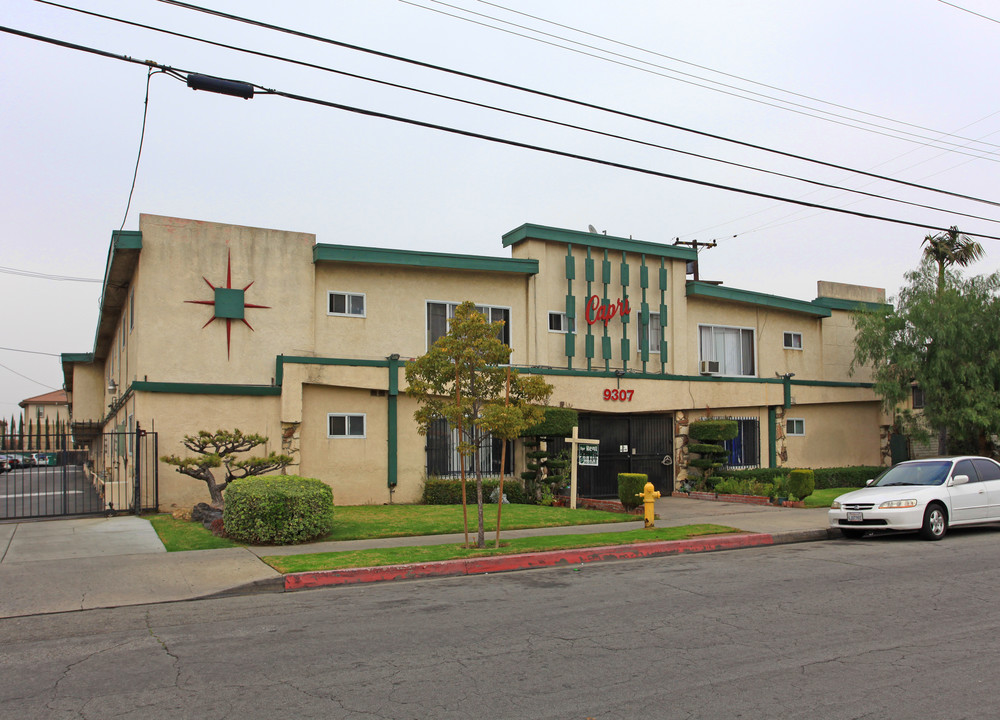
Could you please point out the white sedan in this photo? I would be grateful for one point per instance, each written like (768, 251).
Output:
(925, 495)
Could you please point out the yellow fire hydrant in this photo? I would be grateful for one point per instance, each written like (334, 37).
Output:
(649, 496)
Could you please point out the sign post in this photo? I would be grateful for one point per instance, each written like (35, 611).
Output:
(589, 458)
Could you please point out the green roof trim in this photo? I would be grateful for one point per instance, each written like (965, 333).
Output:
(413, 258)
(851, 305)
(719, 292)
(594, 240)
(77, 357)
(204, 388)
(689, 378)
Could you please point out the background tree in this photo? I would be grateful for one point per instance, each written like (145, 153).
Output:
(463, 379)
(220, 450)
(946, 338)
(951, 248)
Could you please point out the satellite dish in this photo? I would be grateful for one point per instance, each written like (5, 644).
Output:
(592, 229)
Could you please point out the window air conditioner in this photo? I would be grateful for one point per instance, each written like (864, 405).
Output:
(709, 367)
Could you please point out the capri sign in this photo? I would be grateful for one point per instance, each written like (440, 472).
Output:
(598, 311)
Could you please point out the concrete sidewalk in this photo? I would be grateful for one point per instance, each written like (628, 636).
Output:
(64, 565)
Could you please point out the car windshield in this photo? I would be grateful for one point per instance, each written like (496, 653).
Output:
(933, 472)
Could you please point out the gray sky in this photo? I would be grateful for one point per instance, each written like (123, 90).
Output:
(70, 126)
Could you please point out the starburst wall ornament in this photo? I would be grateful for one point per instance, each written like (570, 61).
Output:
(229, 303)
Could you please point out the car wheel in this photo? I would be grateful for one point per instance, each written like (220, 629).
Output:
(852, 534)
(935, 523)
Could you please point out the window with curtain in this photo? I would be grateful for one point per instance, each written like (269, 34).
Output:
(732, 347)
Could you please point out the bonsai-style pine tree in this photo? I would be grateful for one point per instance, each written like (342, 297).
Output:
(220, 450)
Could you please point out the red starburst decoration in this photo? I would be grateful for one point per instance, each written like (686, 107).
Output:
(229, 303)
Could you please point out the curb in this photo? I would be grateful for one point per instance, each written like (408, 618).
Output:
(524, 561)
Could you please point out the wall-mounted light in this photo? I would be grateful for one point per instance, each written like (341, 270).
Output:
(112, 387)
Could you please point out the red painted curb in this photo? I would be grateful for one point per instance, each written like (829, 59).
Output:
(522, 561)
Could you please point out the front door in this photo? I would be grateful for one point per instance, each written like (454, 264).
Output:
(629, 444)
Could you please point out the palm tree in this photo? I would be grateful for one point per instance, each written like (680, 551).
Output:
(951, 248)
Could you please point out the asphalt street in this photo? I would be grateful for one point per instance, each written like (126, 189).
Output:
(46, 491)
(886, 627)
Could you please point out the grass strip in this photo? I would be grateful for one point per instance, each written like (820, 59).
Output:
(431, 553)
(823, 498)
(179, 535)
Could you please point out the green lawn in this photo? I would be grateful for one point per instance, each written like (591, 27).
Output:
(313, 562)
(365, 522)
(823, 498)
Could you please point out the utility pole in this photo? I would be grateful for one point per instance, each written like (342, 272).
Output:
(695, 244)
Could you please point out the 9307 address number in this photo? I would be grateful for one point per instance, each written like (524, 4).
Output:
(619, 395)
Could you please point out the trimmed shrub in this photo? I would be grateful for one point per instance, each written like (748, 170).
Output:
(629, 486)
(277, 509)
(558, 422)
(702, 448)
(449, 492)
(733, 486)
(854, 476)
(801, 484)
(714, 429)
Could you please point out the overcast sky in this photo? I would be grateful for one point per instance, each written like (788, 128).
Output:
(874, 85)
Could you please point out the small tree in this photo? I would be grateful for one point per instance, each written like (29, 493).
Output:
(220, 450)
(463, 379)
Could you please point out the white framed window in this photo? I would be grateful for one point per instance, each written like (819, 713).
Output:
(345, 425)
(439, 315)
(559, 323)
(735, 349)
(918, 397)
(654, 332)
(345, 304)
(795, 426)
(793, 341)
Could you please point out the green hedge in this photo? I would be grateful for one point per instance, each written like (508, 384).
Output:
(277, 509)
(714, 430)
(854, 476)
(629, 485)
(558, 422)
(801, 483)
(449, 492)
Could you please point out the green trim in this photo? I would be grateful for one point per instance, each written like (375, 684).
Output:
(570, 266)
(529, 231)
(279, 372)
(692, 378)
(718, 292)
(850, 305)
(205, 388)
(77, 357)
(126, 239)
(570, 348)
(413, 258)
(788, 394)
(831, 383)
(393, 430)
(229, 303)
(772, 432)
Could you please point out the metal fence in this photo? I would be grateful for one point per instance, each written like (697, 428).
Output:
(45, 476)
(444, 460)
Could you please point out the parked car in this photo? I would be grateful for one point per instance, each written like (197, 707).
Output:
(6, 465)
(38, 459)
(926, 495)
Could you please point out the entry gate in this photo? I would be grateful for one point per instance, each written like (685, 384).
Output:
(629, 444)
(45, 477)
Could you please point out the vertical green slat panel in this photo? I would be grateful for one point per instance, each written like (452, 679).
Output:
(663, 315)
(571, 306)
(570, 267)
(663, 351)
(570, 345)
(606, 347)
(626, 352)
(590, 346)
(588, 267)
(606, 271)
(624, 273)
(663, 278)
(644, 277)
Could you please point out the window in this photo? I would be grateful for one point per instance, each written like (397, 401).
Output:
(733, 348)
(439, 315)
(795, 426)
(793, 341)
(342, 425)
(744, 449)
(654, 332)
(349, 304)
(918, 397)
(558, 322)
(988, 470)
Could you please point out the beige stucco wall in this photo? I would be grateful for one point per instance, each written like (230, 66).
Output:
(396, 307)
(178, 260)
(89, 389)
(836, 435)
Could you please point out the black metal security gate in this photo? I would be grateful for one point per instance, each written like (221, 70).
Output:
(629, 444)
(43, 476)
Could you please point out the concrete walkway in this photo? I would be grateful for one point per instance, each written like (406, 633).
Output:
(64, 565)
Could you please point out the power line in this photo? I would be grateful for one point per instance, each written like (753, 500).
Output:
(27, 378)
(46, 276)
(508, 111)
(958, 7)
(691, 75)
(502, 141)
(33, 352)
(552, 96)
